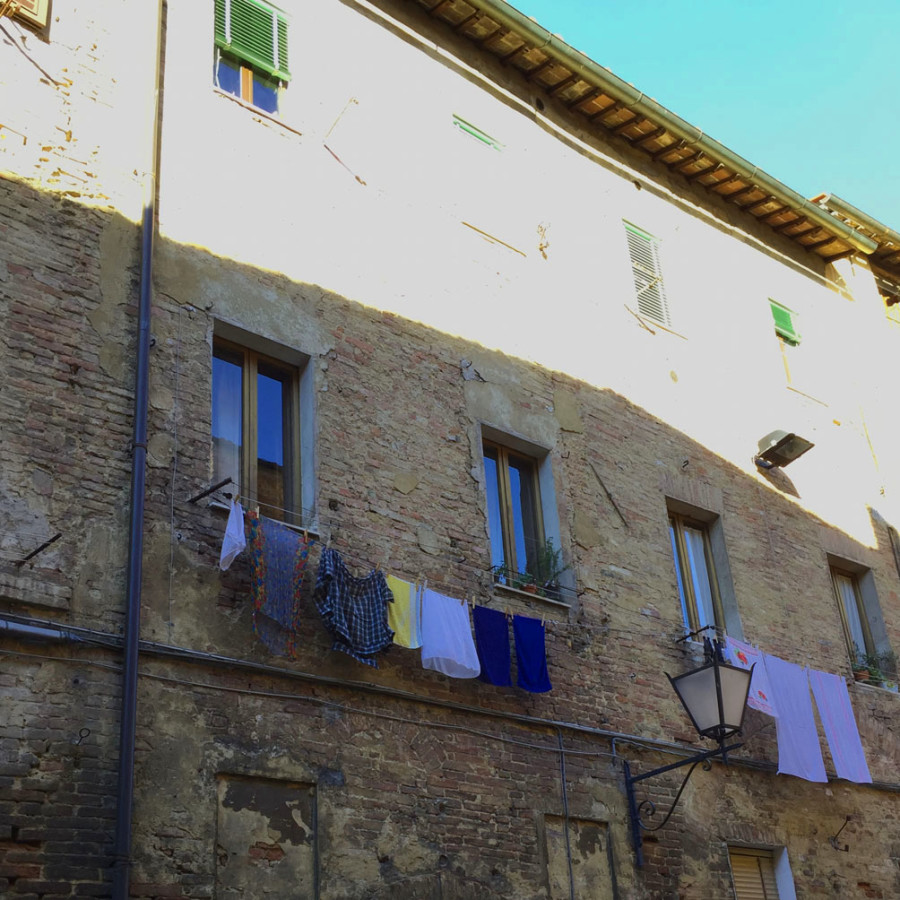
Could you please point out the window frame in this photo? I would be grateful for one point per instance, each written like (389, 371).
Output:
(505, 501)
(655, 305)
(690, 607)
(856, 656)
(247, 482)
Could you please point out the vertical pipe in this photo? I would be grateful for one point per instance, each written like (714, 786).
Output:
(125, 792)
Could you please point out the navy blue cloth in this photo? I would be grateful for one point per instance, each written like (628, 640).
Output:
(531, 655)
(492, 644)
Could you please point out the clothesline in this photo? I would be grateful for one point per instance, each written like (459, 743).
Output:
(365, 615)
(325, 526)
(469, 596)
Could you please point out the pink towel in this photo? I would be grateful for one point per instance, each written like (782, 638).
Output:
(836, 714)
(743, 656)
(799, 752)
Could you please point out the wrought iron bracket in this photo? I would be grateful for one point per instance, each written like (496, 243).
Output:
(636, 810)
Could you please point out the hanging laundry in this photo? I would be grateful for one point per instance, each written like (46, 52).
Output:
(403, 613)
(799, 752)
(278, 557)
(447, 644)
(841, 732)
(492, 644)
(531, 655)
(743, 656)
(234, 541)
(355, 610)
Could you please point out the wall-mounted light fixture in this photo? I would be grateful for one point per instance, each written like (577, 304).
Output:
(778, 448)
(715, 698)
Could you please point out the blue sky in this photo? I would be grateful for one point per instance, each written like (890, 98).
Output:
(805, 90)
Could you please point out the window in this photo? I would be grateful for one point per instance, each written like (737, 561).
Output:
(34, 12)
(753, 874)
(698, 588)
(467, 128)
(251, 51)
(648, 280)
(256, 428)
(785, 327)
(514, 511)
(853, 614)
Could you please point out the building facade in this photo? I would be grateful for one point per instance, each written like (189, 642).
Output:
(440, 293)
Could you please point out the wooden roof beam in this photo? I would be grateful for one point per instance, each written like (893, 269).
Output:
(800, 220)
(650, 136)
(709, 170)
(688, 160)
(613, 107)
(816, 244)
(474, 17)
(624, 126)
(733, 177)
(565, 83)
(749, 189)
(775, 214)
(676, 145)
(759, 203)
(586, 98)
(541, 67)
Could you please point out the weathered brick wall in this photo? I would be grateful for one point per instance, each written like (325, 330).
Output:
(387, 794)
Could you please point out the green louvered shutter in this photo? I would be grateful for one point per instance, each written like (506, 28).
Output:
(255, 33)
(648, 281)
(784, 322)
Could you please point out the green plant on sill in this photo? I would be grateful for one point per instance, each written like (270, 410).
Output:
(547, 568)
(872, 662)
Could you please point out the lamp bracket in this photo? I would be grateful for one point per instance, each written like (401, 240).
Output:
(648, 807)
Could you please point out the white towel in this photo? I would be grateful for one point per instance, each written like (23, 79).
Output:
(743, 656)
(447, 643)
(799, 752)
(234, 541)
(836, 714)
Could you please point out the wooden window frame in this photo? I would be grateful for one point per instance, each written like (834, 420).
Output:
(248, 486)
(678, 523)
(853, 577)
(507, 518)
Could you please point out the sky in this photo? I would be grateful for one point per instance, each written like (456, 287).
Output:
(804, 89)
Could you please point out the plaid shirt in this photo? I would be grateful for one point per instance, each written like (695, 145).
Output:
(354, 609)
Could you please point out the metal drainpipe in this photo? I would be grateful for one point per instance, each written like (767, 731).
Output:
(125, 793)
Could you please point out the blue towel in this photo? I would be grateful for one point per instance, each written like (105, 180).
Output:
(531, 655)
(492, 643)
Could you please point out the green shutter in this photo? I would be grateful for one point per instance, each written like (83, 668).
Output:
(784, 322)
(247, 29)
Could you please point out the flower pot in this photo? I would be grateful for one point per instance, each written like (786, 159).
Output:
(861, 675)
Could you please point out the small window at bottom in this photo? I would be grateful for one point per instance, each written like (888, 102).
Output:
(753, 874)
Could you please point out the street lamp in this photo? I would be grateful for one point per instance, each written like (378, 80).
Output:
(715, 698)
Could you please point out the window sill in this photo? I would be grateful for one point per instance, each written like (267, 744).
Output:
(877, 687)
(502, 590)
(256, 111)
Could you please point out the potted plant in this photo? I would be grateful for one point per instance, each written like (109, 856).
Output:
(547, 568)
(860, 672)
(873, 664)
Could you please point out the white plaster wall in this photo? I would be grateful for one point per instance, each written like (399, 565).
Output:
(278, 199)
